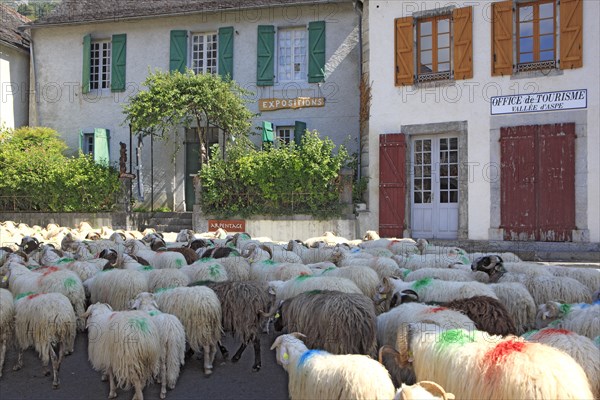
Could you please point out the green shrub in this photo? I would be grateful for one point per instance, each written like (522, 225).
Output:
(282, 180)
(35, 175)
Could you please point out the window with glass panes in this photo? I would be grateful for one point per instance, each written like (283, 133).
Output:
(449, 170)
(291, 54)
(536, 30)
(100, 65)
(422, 171)
(433, 45)
(204, 53)
(285, 134)
(88, 143)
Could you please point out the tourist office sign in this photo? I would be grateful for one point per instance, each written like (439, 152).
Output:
(536, 102)
(298, 102)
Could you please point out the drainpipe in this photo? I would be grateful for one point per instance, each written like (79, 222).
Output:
(33, 115)
(358, 8)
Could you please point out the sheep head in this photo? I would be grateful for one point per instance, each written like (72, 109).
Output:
(144, 301)
(491, 265)
(548, 313)
(111, 255)
(285, 344)
(423, 390)
(29, 244)
(371, 235)
(422, 245)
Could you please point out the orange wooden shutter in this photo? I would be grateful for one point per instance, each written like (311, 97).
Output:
(463, 42)
(571, 34)
(404, 53)
(502, 38)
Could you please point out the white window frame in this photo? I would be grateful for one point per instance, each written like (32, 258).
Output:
(101, 80)
(205, 67)
(88, 143)
(303, 73)
(282, 136)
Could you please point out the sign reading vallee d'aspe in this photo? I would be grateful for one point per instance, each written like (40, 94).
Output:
(230, 225)
(536, 102)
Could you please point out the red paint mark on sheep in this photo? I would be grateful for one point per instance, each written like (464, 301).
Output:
(32, 296)
(499, 353)
(549, 332)
(434, 310)
(112, 315)
(48, 270)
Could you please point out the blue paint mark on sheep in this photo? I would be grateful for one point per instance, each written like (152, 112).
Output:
(307, 355)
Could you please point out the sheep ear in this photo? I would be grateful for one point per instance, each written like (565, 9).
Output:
(277, 342)
(154, 304)
(134, 304)
(298, 335)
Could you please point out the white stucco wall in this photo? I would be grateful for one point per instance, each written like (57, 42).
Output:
(468, 100)
(14, 86)
(60, 104)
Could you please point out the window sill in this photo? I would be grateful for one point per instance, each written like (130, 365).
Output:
(434, 83)
(537, 70)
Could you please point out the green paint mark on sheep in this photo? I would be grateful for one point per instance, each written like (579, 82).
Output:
(421, 283)
(201, 283)
(147, 268)
(154, 313)
(205, 260)
(214, 270)
(465, 260)
(140, 324)
(157, 291)
(406, 273)
(455, 337)
(269, 262)
(21, 295)
(179, 262)
(302, 278)
(565, 309)
(70, 282)
(65, 260)
(529, 334)
(329, 269)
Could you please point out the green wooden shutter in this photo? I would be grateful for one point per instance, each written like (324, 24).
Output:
(80, 140)
(267, 132)
(299, 129)
(178, 53)
(119, 58)
(316, 51)
(226, 51)
(87, 53)
(265, 70)
(101, 146)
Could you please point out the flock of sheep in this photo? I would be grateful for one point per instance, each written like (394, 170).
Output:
(373, 318)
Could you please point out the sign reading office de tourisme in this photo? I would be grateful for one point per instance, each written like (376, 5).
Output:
(536, 102)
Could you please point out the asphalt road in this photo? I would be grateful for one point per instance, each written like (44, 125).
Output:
(78, 381)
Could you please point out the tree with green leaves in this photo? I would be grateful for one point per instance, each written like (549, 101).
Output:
(175, 99)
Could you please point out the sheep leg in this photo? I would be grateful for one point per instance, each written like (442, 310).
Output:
(2, 354)
(55, 364)
(113, 387)
(138, 395)
(19, 363)
(163, 378)
(207, 360)
(257, 363)
(238, 353)
(223, 349)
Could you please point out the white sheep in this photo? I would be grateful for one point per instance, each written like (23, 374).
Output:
(445, 260)
(590, 277)
(316, 374)
(581, 348)
(365, 278)
(48, 280)
(423, 390)
(84, 269)
(268, 270)
(385, 267)
(519, 303)
(172, 340)
(581, 318)
(310, 255)
(125, 345)
(237, 268)
(116, 287)
(329, 238)
(433, 290)
(206, 270)
(159, 260)
(45, 321)
(288, 289)
(447, 274)
(7, 323)
(396, 246)
(389, 330)
(199, 310)
(476, 365)
(543, 286)
(166, 278)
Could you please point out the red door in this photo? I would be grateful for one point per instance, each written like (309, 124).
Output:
(538, 182)
(392, 184)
